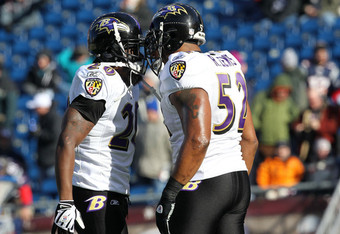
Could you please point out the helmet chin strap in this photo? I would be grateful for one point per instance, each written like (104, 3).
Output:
(158, 63)
(152, 89)
(134, 66)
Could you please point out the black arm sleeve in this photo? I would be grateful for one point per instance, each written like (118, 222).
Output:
(91, 110)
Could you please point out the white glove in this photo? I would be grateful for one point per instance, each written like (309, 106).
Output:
(65, 216)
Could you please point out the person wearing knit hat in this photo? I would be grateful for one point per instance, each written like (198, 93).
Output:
(281, 88)
(290, 67)
(273, 112)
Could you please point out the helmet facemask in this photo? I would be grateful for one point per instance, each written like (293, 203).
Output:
(172, 26)
(126, 53)
(153, 49)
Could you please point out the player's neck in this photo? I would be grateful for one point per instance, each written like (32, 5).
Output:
(188, 47)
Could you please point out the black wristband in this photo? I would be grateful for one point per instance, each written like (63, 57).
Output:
(171, 189)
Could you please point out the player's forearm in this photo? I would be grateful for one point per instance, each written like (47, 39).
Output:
(248, 149)
(64, 171)
(190, 159)
(249, 142)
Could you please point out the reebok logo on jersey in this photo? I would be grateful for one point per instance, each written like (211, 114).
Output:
(93, 86)
(177, 69)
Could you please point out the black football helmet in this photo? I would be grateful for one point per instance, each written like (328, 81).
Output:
(171, 26)
(117, 37)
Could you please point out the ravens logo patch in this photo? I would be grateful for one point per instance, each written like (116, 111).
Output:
(177, 69)
(93, 86)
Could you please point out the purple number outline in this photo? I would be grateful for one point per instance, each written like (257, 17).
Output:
(225, 102)
(241, 83)
(121, 141)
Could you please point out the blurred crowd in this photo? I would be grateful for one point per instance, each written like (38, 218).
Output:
(297, 119)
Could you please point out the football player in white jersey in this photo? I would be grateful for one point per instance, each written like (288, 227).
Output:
(205, 108)
(96, 145)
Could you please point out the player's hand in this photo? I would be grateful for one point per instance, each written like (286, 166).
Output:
(166, 205)
(164, 211)
(65, 216)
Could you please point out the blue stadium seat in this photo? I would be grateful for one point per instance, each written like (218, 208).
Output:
(292, 24)
(69, 31)
(229, 44)
(70, 5)
(274, 70)
(293, 40)
(326, 36)
(336, 51)
(33, 171)
(18, 74)
(37, 33)
(276, 42)
(21, 48)
(245, 30)
(49, 187)
(54, 45)
(211, 7)
(212, 27)
(52, 32)
(261, 43)
(245, 44)
(274, 56)
(227, 9)
(277, 29)
(306, 52)
(53, 18)
(106, 4)
(308, 40)
(310, 25)
(5, 36)
(85, 16)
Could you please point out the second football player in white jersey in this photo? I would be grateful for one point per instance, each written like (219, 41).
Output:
(96, 145)
(205, 107)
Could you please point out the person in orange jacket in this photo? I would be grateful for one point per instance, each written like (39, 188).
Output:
(282, 170)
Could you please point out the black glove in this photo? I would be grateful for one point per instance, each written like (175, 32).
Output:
(166, 205)
(65, 216)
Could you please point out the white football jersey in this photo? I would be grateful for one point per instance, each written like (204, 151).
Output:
(103, 158)
(219, 74)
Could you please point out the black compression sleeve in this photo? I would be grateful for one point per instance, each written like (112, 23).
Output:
(171, 189)
(91, 110)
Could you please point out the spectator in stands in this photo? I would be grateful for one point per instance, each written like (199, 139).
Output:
(330, 10)
(12, 167)
(290, 67)
(322, 74)
(323, 165)
(311, 8)
(138, 9)
(277, 10)
(43, 75)
(273, 112)
(319, 120)
(282, 170)
(70, 60)
(153, 152)
(8, 99)
(47, 131)
(20, 14)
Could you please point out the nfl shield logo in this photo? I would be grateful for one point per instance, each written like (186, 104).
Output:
(177, 69)
(93, 86)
